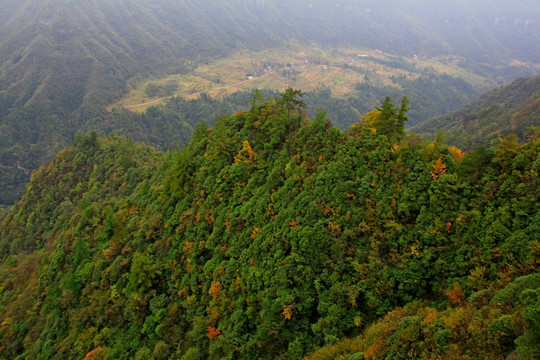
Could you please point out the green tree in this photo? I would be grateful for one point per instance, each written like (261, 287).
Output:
(390, 120)
(289, 100)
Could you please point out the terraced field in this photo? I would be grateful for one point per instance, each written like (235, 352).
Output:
(308, 69)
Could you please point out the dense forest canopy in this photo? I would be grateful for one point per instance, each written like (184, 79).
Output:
(272, 236)
(274, 223)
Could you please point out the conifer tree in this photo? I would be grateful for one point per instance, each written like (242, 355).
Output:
(289, 100)
(390, 121)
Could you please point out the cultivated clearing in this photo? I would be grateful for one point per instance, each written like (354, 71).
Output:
(306, 68)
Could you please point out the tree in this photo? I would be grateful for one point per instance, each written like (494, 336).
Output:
(506, 150)
(389, 120)
(439, 168)
(151, 90)
(289, 100)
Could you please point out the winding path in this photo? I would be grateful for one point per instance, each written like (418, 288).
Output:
(17, 166)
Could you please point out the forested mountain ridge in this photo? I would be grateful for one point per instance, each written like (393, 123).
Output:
(509, 109)
(163, 126)
(268, 237)
(62, 61)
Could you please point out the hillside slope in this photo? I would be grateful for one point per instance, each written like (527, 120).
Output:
(509, 109)
(268, 237)
(486, 325)
(62, 61)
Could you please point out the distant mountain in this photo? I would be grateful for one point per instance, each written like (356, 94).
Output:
(509, 109)
(61, 61)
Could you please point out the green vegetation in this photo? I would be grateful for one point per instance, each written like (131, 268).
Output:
(62, 63)
(492, 322)
(170, 124)
(271, 236)
(509, 109)
(167, 89)
(312, 68)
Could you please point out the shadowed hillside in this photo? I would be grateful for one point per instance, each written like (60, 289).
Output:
(509, 109)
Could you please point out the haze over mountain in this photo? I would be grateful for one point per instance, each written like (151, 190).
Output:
(509, 109)
(62, 61)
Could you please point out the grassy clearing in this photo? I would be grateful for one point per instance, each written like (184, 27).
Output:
(300, 67)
